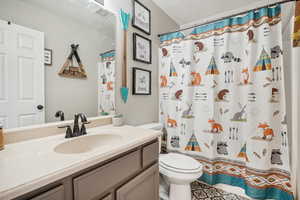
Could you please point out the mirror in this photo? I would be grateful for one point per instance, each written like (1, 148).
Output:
(57, 58)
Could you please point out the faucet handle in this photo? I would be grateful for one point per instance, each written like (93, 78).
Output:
(83, 117)
(69, 133)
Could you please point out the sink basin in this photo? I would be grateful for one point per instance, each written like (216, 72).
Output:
(85, 144)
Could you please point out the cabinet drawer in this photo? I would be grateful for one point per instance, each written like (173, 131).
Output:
(143, 187)
(150, 154)
(57, 193)
(94, 183)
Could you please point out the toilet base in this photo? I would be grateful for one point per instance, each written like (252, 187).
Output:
(180, 192)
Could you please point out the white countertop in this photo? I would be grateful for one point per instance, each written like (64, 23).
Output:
(29, 165)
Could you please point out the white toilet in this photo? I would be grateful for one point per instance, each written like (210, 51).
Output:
(178, 170)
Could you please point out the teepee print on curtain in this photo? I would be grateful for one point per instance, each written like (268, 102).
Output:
(222, 101)
(172, 70)
(193, 144)
(264, 62)
(243, 153)
(212, 67)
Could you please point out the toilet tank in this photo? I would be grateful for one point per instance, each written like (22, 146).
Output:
(153, 126)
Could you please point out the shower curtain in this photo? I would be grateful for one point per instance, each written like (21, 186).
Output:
(106, 83)
(222, 101)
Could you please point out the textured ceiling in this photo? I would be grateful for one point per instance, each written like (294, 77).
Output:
(82, 11)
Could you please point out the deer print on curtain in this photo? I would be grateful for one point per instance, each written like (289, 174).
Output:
(222, 101)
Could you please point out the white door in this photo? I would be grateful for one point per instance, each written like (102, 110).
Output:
(21, 76)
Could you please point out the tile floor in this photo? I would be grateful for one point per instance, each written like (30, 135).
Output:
(202, 191)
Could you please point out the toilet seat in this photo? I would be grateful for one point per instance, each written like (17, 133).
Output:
(179, 163)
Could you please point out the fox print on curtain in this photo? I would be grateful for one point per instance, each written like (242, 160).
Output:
(106, 83)
(222, 101)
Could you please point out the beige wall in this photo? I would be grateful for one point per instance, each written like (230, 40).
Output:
(69, 95)
(140, 109)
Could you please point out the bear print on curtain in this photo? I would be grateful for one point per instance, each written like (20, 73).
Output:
(222, 101)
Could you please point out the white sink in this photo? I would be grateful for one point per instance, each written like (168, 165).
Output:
(85, 144)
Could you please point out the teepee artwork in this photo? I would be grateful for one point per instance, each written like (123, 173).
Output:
(68, 70)
(243, 153)
(212, 67)
(172, 70)
(193, 144)
(264, 62)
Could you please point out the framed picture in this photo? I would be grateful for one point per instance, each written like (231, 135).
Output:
(141, 17)
(141, 82)
(48, 57)
(142, 49)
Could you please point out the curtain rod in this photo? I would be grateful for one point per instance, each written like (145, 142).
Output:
(107, 52)
(221, 18)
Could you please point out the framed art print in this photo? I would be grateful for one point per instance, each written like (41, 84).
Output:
(141, 82)
(141, 17)
(142, 49)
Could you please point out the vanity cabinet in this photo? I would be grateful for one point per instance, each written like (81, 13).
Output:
(133, 175)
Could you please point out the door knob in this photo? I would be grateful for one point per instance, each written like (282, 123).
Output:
(40, 107)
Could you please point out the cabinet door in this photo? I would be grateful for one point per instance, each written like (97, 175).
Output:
(145, 186)
(95, 183)
(150, 154)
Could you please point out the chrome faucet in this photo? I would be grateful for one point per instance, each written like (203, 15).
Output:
(76, 130)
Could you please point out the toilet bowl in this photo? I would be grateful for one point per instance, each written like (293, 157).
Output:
(179, 171)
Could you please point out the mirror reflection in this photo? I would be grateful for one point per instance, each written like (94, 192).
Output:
(57, 58)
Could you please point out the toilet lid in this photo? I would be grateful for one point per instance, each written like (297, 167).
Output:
(179, 162)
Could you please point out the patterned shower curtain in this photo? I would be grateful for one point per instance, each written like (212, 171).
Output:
(106, 83)
(222, 101)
